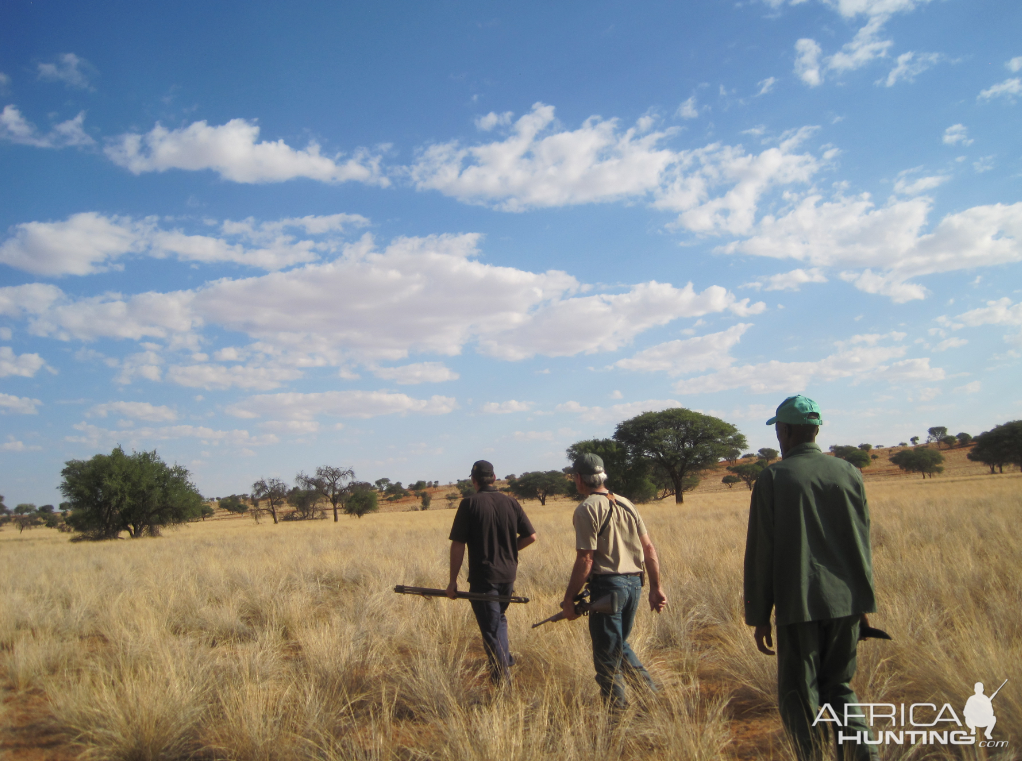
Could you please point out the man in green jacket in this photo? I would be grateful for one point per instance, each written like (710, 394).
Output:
(808, 557)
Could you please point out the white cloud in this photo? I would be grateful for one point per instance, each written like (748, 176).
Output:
(1015, 64)
(369, 305)
(607, 322)
(69, 69)
(851, 232)
(983, 164)
(80, 245)
(533, 435)
(688, 109)
(418, 372)
(232, 151)
(690, 355)
(134, 411)
(356, 404)
(16, 129)
(957, 133)
(766, 85)
(24, 365)
(20, 404)
(95, 436)
(616, 412)
(970, 388)
(748, 175)
(807, 62)
(1009, 88)
(861, 358)
(492, 119)
(999, 312)
(863, 48)
(906, 186)
(5, 82)
(950, 343)
(13, 445)
(209, 376)
(909, 66)
(504, 408)
(592, 164)
(788, 281)
(88, 242)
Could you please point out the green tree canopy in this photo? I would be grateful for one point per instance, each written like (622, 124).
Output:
(964, 439)
(730, 480)
(137, 493)
(748, 471)
(539, 485)
(769, 454)
(466, 488)
(362, 499)
(1000, 446)
(919, 460)
(233, 504)
(679, 442)
(855, 455)
(625, 475)
(304, 503)
(936, 434)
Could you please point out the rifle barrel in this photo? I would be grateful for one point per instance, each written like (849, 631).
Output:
(998, 689)
(401, 589)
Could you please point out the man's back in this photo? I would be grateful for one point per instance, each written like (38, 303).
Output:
(489, 523)
(808, 552)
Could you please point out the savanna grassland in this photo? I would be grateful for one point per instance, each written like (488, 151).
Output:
(231, 640)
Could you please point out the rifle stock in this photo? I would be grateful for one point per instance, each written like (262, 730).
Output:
(401, 589)
(604, 605)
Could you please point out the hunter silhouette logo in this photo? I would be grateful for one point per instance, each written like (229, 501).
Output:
(979, 710)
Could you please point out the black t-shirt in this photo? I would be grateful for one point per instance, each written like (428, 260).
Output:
(490, 523)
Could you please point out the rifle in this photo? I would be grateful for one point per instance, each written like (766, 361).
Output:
(998, 689)
(583, 607)
(401, 589)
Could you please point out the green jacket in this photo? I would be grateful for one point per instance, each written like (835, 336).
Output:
(808, 552)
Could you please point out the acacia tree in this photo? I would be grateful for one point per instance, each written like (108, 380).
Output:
(539, 485)
(936, 434)
(273, 491)
(679, 442)
(1000, 446)
(769, 454)
(748, 472)
(137, 493)
(920, 460)
(628, 476)
(362, 499)
(332, 483)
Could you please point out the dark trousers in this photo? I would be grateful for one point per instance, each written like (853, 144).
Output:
(613, 657)
(815, 663)
(493, 626)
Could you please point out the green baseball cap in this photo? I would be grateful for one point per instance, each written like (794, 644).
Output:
(797, 410)
(588, 464)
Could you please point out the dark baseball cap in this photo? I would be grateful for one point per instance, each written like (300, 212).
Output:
(588, 464)
(482, 468)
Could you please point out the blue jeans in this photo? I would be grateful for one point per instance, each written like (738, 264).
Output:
(493, 626)
(613, 657)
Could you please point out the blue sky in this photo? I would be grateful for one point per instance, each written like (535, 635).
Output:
(404, 236)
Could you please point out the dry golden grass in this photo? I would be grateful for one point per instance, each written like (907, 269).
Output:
(232, 640)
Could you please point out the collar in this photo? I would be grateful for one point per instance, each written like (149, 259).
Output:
(808, 448)
(491, 487)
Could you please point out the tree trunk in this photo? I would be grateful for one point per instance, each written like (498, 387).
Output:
(273, 512)
(679, 495)
(542, 498)
(335, 511)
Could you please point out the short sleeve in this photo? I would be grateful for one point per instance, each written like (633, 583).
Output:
(524, 525)
(460, 528)
(639, 525)
(585, 528)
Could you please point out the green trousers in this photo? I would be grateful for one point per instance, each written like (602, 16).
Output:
(815, 663)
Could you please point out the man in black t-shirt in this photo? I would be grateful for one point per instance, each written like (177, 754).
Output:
(494, 528)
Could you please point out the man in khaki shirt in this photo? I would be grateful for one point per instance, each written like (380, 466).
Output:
(613, 549)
